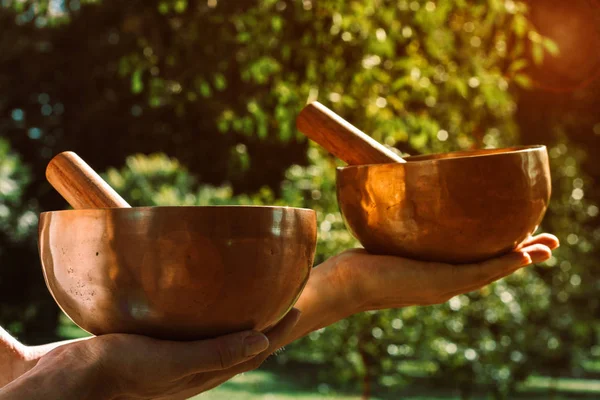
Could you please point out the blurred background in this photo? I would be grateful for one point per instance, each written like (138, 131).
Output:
(194, 102)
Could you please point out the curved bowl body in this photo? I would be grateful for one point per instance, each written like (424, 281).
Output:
(454, 207)
(177, 273)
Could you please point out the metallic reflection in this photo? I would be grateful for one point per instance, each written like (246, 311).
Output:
(455, 207)
(177, 272)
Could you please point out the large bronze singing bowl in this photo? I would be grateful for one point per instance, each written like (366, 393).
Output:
(454, 207)
(177, 273)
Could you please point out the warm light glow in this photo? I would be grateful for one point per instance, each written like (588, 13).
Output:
(574, 27)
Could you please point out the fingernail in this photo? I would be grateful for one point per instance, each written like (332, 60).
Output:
(255, 343)
(526, 259)
(540, 256)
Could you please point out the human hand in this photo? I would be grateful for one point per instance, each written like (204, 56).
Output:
(119, 367)
(356, 281)
(378, 282)
(279, 336)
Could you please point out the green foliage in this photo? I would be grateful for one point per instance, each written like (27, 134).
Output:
(18, 220)
(18, 223)
(498, 334)
(537, 319)
(157, 180)
(572, 330)
(403, 71)
(313, 187)
(422, 76)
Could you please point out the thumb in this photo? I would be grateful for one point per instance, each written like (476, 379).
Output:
(215, 354)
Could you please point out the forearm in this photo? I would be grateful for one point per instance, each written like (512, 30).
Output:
(11, 358)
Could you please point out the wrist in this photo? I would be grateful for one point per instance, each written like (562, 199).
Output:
(63, 374)
(344, 286)
(368, 284)
(326, 299)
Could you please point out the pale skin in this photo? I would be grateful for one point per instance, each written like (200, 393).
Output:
(119, 367)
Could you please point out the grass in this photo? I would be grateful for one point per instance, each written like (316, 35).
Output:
(580, 386)
(299, 385)
(267, 385)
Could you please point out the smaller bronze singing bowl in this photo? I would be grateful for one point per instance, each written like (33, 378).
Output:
(456, 207)
(178, 273)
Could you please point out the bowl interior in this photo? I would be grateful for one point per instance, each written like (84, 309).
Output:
(477, 153)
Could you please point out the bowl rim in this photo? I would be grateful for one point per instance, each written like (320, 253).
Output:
(154, 208)
(460, 154)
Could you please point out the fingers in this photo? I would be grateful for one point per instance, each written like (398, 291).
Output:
(213, 354)
(545, 239)
(399, 282)
(532, 250)
(505, 265)
(482, 274)
(538, 252)
(277, 338)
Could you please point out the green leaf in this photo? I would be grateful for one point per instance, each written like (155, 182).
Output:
(520, 25)
(262, 129)
(244, 37)
(418, 140)
(551, 46)
(461, 88)
(163, 7)
(180, 6)
(277, 24)
(518, 65)
(220, 82)
(523, 81)
(534, 36)
(400, 83)
(137, 85)
(223, 126)
(205, 90)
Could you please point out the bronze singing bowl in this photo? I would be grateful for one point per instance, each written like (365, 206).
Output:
(177, 273)
(456, 207)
